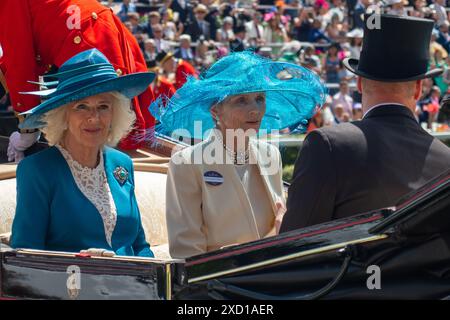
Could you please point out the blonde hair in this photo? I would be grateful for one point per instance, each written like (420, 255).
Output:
(121, 124)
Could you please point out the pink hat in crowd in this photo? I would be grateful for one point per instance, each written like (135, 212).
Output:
(270, 15)
(321, 4)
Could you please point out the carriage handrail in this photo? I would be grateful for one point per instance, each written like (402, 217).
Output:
(348, 253)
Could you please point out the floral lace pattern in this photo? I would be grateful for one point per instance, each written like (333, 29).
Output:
(94, 185)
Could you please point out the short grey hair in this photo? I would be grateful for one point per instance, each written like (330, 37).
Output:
(122, 123)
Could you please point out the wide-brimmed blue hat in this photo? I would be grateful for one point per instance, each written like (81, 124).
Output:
(86, 74)
(293, 94)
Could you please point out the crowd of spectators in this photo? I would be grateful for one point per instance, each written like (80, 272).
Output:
(317, 34)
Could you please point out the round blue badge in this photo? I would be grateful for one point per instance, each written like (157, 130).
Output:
(213, 178)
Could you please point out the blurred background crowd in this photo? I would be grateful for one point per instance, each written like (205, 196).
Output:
(184, 37)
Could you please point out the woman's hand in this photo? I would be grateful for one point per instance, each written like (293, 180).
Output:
(281, 210)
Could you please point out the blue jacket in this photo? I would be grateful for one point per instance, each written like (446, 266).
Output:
(316, 34)
(53, 214)
(358, 13)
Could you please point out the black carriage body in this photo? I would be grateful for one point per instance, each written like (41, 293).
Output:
(409, 244)
(29, 274)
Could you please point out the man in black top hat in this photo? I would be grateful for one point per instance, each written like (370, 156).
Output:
(356, 167)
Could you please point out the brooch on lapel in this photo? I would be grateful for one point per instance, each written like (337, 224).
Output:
(121, 175)
(213, 178)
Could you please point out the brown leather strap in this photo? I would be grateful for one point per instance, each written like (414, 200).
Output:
(3, 81)
(21, 118)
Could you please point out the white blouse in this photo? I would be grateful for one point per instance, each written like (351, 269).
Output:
(93, 184)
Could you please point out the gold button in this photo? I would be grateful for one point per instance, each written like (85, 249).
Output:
(19, 104)
(94, 15)
(119, 72)
(77, 40)
(38, 57)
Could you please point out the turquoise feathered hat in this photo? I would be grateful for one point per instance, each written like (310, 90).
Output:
(86, 74)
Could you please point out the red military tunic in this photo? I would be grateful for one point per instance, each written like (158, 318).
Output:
(184, 69)
(36, 34)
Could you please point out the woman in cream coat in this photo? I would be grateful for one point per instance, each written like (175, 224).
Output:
(228, 189)
(213, 205)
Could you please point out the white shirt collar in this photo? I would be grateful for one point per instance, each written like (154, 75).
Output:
(382, 104)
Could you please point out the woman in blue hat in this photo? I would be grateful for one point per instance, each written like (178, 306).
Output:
(79, 193)
(228, 189)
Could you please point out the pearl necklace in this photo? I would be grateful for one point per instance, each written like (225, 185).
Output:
(237, 157)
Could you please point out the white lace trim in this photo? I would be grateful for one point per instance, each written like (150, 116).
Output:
(94, 185)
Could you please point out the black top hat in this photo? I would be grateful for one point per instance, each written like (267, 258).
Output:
(150, 63)
(395, 50)
(163, 56)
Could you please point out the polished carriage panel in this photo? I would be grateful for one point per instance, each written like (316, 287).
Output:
(258, 254)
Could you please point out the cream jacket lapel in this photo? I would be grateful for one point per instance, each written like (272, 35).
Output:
(204, 216)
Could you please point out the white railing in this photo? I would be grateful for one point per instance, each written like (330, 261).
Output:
(298, 140)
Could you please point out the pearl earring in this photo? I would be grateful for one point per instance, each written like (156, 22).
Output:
(217, 121)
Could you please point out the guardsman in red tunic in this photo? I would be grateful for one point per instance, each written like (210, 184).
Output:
(37, 35)
(184, 69)
(180, 67)
(161, 86)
